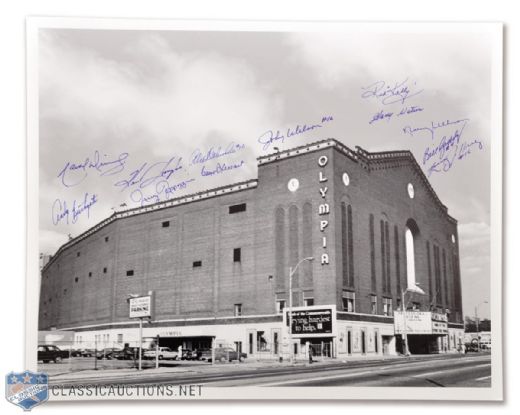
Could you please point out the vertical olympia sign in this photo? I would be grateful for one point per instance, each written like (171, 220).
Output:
(323, 208)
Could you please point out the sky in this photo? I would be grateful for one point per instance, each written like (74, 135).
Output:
(120, 107)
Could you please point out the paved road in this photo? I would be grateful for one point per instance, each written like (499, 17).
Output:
(434, 371)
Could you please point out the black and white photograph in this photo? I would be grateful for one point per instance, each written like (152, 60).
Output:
(264, 210)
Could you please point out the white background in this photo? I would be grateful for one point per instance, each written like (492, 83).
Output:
(13, 169)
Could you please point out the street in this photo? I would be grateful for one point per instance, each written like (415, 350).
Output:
(472, 370)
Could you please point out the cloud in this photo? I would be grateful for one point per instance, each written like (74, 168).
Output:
(149, 100)
(169, 98)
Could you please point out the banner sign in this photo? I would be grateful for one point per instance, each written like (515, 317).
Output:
(312, 321)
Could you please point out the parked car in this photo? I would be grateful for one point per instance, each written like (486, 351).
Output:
(107, 353)
(204, 354)
(75, 352)
(164, 353)
(471, 347)
(46, 353)
(186, 354)
(87, 352)
(223, 354)
(128, 353)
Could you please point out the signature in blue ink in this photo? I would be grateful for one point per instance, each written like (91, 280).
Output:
(220, 168)
(163, 191)
(73, 174)
(430, 129)
(148, 174)
(61, 212)
(447, 144)
(390, 94)
(270, 136)
(199, 157)
(381, 115)
(387, 115)
(460, 152)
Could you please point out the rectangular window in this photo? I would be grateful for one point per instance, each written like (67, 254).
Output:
(238, 310)
(237, 255)
(76, 279)
(197, 264)
(387, 306)
(105, 270)
(90, 274)
(373, 304)
(120, 338)
(349, 301)
(280, 305)
(166, 224)
(308, 302)
(237, 208)
(78, 254)
(106, 238)
(372, 254)
(130, 273)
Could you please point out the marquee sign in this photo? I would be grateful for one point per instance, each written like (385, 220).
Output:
(420, 322)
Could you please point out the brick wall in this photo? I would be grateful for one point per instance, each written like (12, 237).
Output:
(162, 257)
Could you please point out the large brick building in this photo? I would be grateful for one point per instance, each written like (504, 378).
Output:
(218, 261)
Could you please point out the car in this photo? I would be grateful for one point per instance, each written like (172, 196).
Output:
(87, 352)
(47, 353)
(471, 347)
(164, 353)
(128, 353)
(107, 353)
(186, 354)
(75, 352)
(203, 354)
(228, 354)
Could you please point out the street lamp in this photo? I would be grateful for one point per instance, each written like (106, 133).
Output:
(414, 289)
(291, 273)
(477, 323)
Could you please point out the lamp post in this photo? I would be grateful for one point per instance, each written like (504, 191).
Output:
(291, 273)
(477, 323)
(414, 289)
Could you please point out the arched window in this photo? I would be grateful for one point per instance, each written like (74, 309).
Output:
(410, 259)
(411, 232)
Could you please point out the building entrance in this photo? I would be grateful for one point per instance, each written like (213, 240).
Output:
(322, 347)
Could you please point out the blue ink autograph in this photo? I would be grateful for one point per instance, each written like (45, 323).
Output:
(61, 212)
(441, 155)
(270, 137)
(163, 191)
(149, 174)
(390, 94)
(434, 126)
(387, 115)
(73, 174)
(199, 157)
(221, 168)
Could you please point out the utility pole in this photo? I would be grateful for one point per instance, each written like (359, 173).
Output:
(291, 273)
